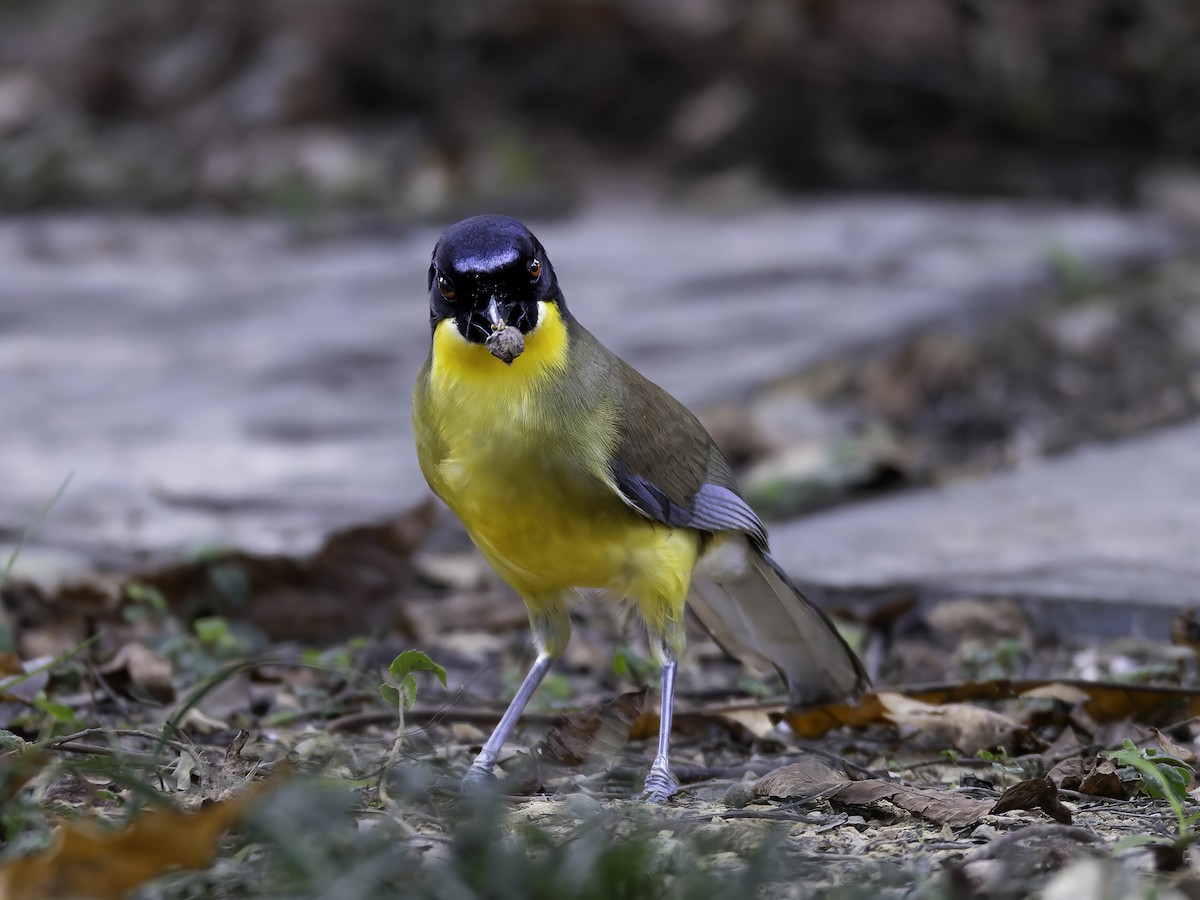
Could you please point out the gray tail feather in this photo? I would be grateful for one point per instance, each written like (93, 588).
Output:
(761, 618)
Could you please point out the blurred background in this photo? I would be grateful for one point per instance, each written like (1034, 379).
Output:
(423, 108)
(967, 224)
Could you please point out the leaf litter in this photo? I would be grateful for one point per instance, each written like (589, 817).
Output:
(179, 705)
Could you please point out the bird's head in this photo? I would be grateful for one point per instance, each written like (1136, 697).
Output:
(488, 273)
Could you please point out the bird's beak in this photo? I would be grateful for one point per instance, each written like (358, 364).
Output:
(497, 313)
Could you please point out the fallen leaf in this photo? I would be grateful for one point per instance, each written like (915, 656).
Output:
(1180, 752)
(1114, 702)
(1036, 793)
(195, 720)
(139, 672)
(1103, 701)
(1069, 773)
(817, 721)
(972, 619)
(595, 734)
(1103, 781)
(812, 778)
(969, 728)
(946, 807)
(86, 860)
(808, 778)
(1063, 693)
(755, 723)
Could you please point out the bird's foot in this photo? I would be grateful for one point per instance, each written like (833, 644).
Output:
(660, 783)
(478, 777)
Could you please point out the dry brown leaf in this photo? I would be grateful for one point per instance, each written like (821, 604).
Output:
(1069, 773)
(945, 807)
(1107, 701)
(1063, 693)
(595, 734)
(756, 723)
(1179, 751)
(756, 720)
(970, 618)
(812, 778)
(1036, 793)
(88, 862)
(1103, 780)
(812, 723)
(139, 672)
(1103, 701)
(1117, 702)
(808, 778)
(969, 728)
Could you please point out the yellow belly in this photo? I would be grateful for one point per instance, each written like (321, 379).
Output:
(532, 488)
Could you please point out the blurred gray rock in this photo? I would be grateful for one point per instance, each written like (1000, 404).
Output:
(1105, 540)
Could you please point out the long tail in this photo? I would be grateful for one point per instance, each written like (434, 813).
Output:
(757, 615)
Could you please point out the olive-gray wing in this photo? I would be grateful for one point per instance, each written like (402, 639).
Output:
(667, 466)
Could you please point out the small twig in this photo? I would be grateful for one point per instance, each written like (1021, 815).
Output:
(777, 814)
(1098, 798)
(59, 742)
(101, 750)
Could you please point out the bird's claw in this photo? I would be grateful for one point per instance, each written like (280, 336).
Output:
(660, 785)
(477, 777)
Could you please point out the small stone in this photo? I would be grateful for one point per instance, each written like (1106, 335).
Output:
(506, 344)
(739, 795)
(582, 806)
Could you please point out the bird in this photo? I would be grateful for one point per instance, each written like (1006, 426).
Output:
(571, 471)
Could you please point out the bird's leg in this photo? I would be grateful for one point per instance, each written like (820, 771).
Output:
(660, 783)
(551, 631)
(481, 769)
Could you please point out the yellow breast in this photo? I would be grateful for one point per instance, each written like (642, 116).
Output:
(527, 473)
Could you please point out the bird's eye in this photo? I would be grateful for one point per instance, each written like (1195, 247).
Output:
(446, 288)
(535, 269)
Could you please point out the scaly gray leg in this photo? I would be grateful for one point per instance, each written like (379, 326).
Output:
(660, 783)
(481, 769)
(551, 631)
